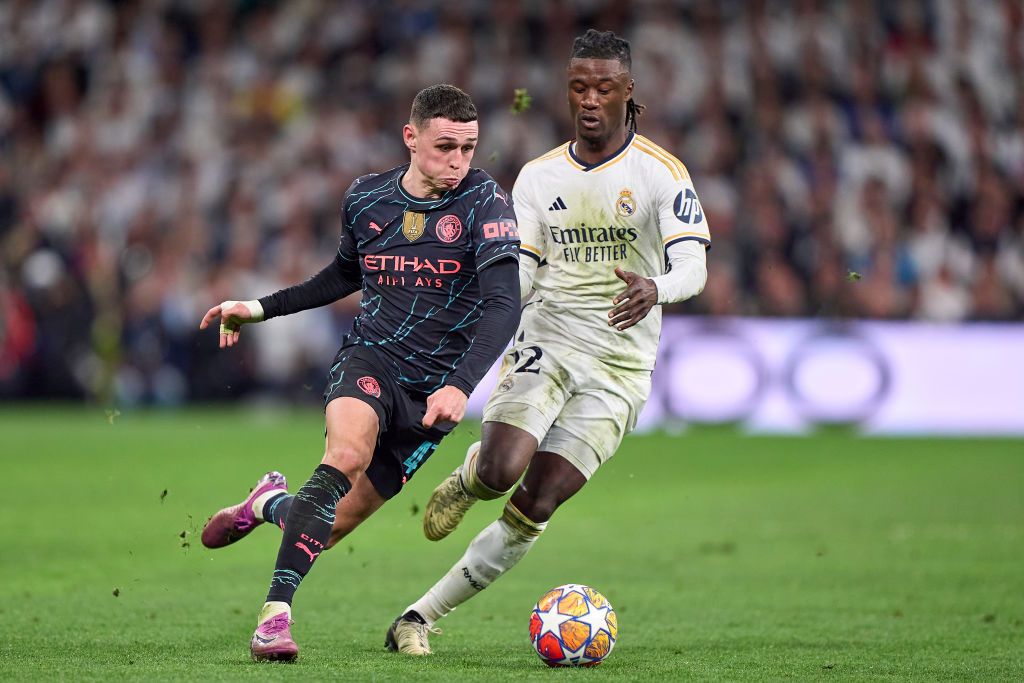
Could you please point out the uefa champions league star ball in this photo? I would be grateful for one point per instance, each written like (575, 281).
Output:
(573, 625)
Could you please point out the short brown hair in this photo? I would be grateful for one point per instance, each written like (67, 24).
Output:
(442, 101)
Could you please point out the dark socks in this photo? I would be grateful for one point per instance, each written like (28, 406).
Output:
(276, 509)
(307, 528)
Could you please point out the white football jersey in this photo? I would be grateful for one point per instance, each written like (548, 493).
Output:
(580, 222)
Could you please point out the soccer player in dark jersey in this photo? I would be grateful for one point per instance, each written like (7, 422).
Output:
(433, 245)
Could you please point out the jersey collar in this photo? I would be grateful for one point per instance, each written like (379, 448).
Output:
(423, 203)
(607, 161)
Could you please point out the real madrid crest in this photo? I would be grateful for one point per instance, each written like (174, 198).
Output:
(625, 205)
(412, 225)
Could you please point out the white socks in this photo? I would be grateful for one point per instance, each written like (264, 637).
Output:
(493, 552)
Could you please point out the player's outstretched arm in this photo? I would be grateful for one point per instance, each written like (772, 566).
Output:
(338, 279)
(232, 314)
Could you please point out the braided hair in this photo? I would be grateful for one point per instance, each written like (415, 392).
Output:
(606, 45)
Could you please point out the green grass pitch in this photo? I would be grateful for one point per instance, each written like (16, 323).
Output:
(726, 557)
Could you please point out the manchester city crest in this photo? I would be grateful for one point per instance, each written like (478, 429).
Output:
(412, 225)
(625, 205)
(449, 228)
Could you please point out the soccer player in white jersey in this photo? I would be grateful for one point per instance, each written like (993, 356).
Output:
(610, 227)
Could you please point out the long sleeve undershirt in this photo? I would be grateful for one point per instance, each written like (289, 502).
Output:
(498, 282)
(527, 271)
(687, 274)
(336, 281)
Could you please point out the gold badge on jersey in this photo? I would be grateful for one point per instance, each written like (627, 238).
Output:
(412, 225)
(625, 205)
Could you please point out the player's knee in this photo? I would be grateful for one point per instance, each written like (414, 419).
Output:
(496, 473)
(351, 461)
(500, 465)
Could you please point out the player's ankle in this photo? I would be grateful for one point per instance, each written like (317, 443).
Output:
(272, 608)
(259, 502)
(425, 611)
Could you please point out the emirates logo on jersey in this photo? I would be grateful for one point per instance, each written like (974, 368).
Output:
(586, 233)
(369, 385)
(448, 228)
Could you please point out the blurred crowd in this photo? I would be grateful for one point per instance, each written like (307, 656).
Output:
(855, 159)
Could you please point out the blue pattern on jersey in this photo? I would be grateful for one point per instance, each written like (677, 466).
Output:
(421, 297)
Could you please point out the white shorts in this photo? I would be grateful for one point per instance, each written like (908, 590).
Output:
(574, 405)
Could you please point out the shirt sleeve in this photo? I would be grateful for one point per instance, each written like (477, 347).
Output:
(533, 239)
(499, 322)
(495, 232)
(687, 272)
(680, 215)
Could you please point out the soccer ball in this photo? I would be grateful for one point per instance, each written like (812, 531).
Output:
(573, 625)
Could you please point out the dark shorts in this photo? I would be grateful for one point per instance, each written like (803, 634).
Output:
(403, 443)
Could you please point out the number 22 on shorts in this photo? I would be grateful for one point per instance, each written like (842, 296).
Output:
(532, 356)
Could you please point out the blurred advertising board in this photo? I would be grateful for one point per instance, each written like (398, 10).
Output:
(790, 376)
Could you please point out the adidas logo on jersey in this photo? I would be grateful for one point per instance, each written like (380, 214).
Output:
(559, 205)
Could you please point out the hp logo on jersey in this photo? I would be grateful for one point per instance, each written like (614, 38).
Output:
(687, 207)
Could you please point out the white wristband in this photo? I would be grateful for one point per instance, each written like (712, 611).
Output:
(254, 307)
